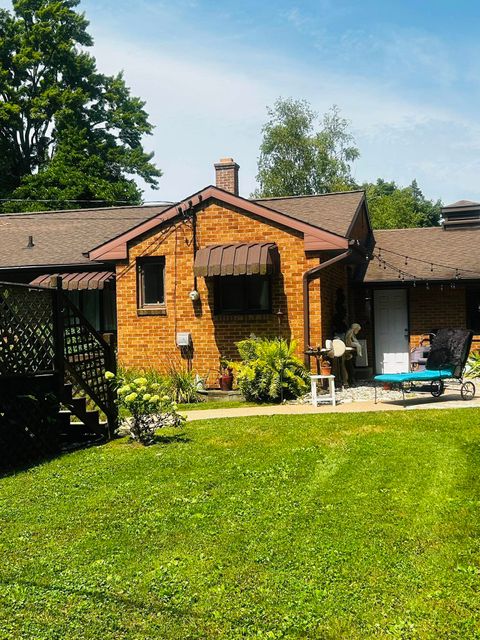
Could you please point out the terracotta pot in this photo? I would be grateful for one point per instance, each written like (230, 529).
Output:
(226, 381)
(387, 386)
(325, 369)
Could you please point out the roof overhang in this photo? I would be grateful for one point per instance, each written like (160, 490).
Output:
(315, 239)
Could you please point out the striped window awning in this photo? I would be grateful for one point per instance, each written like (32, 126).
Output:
(253, 258)
(77, 281)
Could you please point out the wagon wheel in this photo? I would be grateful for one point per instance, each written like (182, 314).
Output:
(467, 391)
(437, 388)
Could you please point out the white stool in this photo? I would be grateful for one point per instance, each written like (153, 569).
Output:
(321, 398)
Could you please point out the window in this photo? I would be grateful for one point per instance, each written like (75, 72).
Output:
(242, 294)
(151, 284)
(473, 309)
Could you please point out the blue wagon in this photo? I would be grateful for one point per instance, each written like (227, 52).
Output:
(445, 366)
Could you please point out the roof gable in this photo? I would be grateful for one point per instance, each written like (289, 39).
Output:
(316, 238)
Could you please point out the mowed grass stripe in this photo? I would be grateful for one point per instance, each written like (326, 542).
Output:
(346, 526)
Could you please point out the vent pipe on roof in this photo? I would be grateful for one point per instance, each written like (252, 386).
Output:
(30, 244)
(226, 175)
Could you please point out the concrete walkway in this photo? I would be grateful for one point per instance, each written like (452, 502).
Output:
(450, 400)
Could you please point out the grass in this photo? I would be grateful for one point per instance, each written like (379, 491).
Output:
(300, 527)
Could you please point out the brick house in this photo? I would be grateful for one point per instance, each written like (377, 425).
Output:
(269, 267)
(192, 278)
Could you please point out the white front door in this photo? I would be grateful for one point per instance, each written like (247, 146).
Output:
(391, 331)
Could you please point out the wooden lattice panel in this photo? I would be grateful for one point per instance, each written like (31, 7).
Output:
(86, 355)
(26, 331)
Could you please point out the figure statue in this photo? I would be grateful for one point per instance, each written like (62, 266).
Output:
(351, 356)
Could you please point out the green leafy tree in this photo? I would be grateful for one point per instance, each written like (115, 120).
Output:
(67, 132)
(296, 159)
(394, 207)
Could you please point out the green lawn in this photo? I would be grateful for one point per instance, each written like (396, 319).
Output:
(312, 527)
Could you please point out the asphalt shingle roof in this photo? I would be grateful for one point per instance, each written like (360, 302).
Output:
(61, 237)
(333, 211)
(456, 249)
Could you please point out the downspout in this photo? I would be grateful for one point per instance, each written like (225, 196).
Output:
(308, 276)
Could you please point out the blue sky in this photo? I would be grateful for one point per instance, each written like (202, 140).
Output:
(406, 74)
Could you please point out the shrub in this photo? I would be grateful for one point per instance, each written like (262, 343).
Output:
(269, 370)
(473, 365)
(180, 384)
(149, 407)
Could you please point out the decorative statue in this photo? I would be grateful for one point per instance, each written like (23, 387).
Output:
(351, 356)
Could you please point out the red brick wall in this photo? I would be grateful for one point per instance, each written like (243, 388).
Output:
(435, 309)
(149, 341)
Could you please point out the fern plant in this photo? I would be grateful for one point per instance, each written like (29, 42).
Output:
(473, 365)
(269, 371)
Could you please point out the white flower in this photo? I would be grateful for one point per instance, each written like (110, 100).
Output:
(131, 397)
(154, 399)
(140, 381)
(147, 397)
(109, 375)
(125, 389)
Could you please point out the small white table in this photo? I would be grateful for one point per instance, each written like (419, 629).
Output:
(316, 398)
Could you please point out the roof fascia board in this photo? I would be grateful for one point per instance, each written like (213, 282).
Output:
(80, 266)
(117, 248)
(358, 212)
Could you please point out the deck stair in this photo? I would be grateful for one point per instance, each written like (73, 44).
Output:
(78, 423)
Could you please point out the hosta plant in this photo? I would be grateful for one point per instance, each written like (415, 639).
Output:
(270, 371)
(149, 408)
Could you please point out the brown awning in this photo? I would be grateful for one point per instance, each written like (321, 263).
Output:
(254, 258)
(77, 281)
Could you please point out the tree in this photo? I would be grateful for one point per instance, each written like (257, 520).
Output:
(297, 160)
(393, 207)
(67, 132)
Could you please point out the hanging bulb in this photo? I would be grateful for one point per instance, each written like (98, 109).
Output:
(431, 267)
(406, 261)
(414, 282)
(427, 285)
(441, 288)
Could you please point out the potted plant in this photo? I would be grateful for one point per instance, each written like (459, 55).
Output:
(325, 367)
(226, 375)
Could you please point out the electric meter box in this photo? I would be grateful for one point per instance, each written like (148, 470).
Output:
(184, 339)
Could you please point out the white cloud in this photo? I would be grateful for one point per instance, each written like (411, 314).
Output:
(205, 109)
(207, 97)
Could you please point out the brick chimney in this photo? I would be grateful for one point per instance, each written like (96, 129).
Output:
(226, 175)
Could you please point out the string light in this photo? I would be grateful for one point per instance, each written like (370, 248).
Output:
(433, 265)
